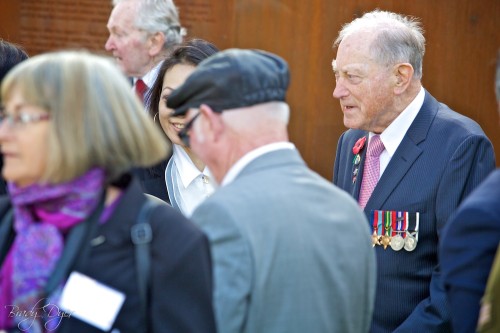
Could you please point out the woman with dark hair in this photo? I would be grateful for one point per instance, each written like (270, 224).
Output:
(10, 55)
(186, 176)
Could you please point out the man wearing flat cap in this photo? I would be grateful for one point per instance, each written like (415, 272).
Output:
(291, 252)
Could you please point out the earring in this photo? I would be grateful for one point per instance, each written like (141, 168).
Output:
(154, 118)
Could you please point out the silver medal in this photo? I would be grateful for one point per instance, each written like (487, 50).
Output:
(397, 242)
(410, 242)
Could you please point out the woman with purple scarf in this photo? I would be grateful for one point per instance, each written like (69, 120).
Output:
(71, 130)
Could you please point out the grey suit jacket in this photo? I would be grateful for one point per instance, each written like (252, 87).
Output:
(291, 252)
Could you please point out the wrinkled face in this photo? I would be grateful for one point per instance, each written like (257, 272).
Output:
(23, 145)
(129, 45)
(364, 87)
(173, 78)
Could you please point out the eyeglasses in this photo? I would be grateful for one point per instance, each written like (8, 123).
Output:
(21, 119)
(184, 133)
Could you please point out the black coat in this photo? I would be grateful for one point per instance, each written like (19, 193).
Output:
(181, 277)
(152, 180)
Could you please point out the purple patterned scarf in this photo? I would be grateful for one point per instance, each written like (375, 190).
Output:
(43, 214)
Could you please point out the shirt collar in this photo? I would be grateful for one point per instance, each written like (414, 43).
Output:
(393, 135)
(186, 168)
(252, 155)
(150, 77)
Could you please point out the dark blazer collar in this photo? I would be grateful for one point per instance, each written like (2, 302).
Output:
(357, 169)
(130, 202)
(422, 123)
(406, 154)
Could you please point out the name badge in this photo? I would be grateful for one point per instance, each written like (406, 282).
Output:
(91, 301)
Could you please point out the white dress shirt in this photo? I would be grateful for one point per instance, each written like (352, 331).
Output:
(190, 185)
(393, 135)
(150, 77)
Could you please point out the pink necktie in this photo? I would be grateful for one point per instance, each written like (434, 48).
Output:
(140, 89)
(371, 171)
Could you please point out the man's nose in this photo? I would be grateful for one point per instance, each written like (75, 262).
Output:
(340, 90)
(109, 44)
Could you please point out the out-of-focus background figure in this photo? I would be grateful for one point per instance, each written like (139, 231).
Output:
(10, 55)
(468, 247)
(71, 130)
(141, 35)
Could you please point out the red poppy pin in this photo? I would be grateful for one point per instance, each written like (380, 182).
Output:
(359, 145)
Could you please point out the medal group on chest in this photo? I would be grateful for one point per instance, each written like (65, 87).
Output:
(396, 229)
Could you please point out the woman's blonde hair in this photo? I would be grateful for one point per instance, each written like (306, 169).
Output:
(96, 120)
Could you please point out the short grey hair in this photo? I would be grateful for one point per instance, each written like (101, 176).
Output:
(96, 119)
(398, 38)
(242, 119)
(159, 16)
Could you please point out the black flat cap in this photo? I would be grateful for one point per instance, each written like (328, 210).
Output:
(232, 79)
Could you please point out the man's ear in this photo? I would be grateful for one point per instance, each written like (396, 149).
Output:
(157, 41)
(404, 74)
(213, 125)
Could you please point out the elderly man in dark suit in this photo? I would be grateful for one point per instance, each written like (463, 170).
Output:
(291, 251)
(409, 161)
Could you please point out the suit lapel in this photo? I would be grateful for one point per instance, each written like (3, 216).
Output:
(406, 154)
(357, 184)
(171, 183)
(403, 159)
(344, 162)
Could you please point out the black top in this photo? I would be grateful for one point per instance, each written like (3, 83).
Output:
(181, 277)
(152, 180)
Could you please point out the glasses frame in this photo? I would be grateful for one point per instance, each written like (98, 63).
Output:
(20, 119)
(184, 133)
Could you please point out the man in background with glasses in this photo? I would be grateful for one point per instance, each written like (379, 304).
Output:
(291, 252)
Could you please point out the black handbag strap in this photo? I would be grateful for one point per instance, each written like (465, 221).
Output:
(7, 234)
(142, 236)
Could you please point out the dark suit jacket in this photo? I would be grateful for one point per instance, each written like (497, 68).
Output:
(441, 159)
(152, 180)
(181, 279)
(468, 247)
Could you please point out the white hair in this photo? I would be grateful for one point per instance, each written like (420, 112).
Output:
(258, 115)
(159, 16)
(398, 38)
